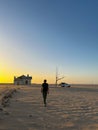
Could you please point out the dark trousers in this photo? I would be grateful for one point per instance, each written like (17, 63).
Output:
(44, 96)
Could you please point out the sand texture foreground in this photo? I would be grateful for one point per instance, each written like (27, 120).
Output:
(74, 108)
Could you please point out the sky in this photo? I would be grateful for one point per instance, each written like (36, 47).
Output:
(38, 36)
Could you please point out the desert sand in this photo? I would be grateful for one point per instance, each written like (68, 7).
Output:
(74, 108)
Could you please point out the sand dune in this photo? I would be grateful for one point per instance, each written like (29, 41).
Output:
(74, 108)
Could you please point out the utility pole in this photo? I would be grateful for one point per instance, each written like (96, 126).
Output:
(58, 78)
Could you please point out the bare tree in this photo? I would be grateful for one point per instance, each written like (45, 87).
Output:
(57, 77)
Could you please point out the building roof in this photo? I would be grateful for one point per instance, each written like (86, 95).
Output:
(24, 77)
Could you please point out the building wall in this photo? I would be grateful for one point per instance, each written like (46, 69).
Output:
(22, 82)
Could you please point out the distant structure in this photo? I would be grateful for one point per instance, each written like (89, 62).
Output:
(22, 80)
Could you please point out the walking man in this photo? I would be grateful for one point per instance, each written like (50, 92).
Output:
(45, 90)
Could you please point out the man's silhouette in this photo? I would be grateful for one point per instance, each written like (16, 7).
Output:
(45, 90)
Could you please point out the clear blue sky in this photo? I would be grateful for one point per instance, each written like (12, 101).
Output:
(36, 36)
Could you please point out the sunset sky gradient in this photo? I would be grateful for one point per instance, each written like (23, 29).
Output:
(36, 36)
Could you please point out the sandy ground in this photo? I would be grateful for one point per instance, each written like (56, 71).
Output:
(74, 108)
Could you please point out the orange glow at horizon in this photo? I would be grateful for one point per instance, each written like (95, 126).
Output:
(7, 76)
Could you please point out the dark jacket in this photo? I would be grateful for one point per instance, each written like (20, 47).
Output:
(45, 87)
